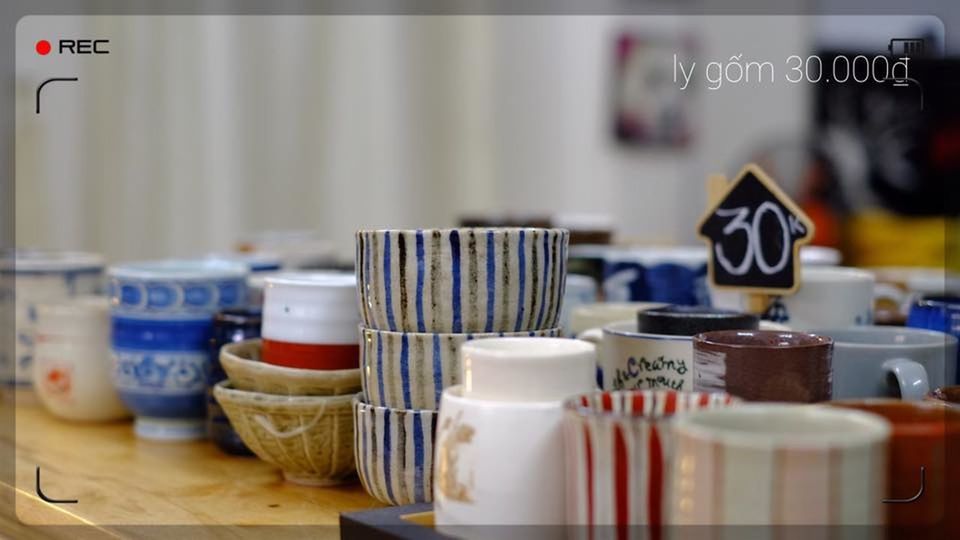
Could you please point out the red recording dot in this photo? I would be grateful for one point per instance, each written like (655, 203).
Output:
(43, 47)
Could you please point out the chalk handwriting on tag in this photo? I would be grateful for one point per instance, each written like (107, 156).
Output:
(755, 231)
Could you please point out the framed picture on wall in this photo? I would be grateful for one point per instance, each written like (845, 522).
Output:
(649, 108)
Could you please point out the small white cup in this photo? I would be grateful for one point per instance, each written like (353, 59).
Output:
(829, 296)
(527, 368)
(497, 463)
(72, 363)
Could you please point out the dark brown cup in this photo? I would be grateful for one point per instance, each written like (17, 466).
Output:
(764, 365)
(924, 434)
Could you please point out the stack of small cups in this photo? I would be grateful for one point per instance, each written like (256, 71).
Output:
(423, 293)
(288, 395)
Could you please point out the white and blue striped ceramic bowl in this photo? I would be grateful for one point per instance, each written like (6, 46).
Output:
(409, 370)
(394, 452)
(461, 280)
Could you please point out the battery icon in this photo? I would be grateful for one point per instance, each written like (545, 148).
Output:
(909, 47)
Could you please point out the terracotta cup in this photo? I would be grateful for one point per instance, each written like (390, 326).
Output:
(925, 434)
(763, 365)
(946, 394)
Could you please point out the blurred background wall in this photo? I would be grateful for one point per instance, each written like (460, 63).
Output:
(199, 131)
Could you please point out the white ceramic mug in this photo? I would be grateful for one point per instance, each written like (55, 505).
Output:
(497, 463)
(779, 465)
(527, 368)
(829, 296)
(629, 360)
(72, 364)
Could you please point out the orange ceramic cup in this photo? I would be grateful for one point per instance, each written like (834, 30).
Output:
(925, 434)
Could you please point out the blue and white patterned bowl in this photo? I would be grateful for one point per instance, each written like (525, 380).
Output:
(162, 323)
(394, 452)
(461, 280)
(409, 370)
(177, 289)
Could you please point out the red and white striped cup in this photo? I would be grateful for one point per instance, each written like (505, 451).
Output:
(618, 455)
(310, 320)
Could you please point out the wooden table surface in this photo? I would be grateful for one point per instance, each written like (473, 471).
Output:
(123, 483)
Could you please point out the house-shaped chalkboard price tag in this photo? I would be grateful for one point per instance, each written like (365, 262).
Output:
(754, 231)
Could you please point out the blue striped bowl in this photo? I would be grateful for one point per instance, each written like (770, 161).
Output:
(394, 452)
(409, 370)
(461, 280)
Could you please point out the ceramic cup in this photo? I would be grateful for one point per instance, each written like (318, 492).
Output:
(461, 280)
(31, 277)
(878, 361)
(672, 275)
(829, 296)
(631, 358)
(497, 463)
(598, 315)
(763, 365)
(779, 464)
(409, 370)
(691, 320)
(941, 313)
(229, 326)
(619, 455)
(394, 452)
(72, 363)
(580, 291)
(298, 249)
(527, 368)
(946, 394)
(310, 321)
(924, 434)
(162, 319)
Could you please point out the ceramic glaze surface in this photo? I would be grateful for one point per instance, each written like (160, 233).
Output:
(309, 437)
(461, 280)
(409, 370)
(394, 452)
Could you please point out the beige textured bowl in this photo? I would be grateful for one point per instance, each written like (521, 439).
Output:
(242, 363)
(309, 437)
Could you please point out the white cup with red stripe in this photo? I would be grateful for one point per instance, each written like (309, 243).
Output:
(310, 320)
(619, 451)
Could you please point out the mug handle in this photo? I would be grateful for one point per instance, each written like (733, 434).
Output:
(911, 377)
(594, 336)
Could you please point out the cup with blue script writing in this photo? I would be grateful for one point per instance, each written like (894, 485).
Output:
(655, 350)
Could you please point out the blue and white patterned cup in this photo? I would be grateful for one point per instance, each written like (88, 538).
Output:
(162, 321)
(674, 275)
(394, 452)
(409, 370)
(29, 278)
(461, 280)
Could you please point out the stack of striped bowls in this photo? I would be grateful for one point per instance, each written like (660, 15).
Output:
(422, 294)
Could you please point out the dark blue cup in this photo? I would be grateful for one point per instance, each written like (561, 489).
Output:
(229, 326)
(940, 313)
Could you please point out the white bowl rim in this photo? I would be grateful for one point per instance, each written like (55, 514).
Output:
(189, 269)
(50, 260)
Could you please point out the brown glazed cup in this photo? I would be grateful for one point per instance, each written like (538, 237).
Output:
(946, 394)
(925, 434)
(764, 365)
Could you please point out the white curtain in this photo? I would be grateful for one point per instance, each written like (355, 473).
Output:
(196, 131)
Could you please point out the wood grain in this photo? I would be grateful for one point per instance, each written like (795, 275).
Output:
(123, 482)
